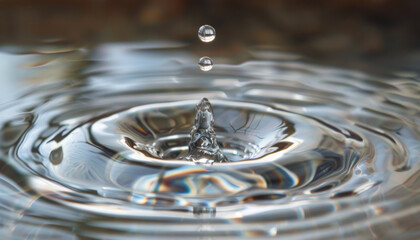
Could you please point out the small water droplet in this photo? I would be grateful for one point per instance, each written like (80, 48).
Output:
(206, 33)
(56, 156)
(205, 63)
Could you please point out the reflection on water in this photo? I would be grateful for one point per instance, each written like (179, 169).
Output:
(314, 151)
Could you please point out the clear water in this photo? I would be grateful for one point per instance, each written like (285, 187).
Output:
(95, 148)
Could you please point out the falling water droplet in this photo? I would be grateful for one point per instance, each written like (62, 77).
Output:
(203, 146)
(206, 33)
(205, 63)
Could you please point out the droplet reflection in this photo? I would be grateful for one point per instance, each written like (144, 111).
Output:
(205, 63)
(206, 33)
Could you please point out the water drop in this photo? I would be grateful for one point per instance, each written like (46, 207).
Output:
(56, 156)
(206, 33)
(205, 63)
(203, 146)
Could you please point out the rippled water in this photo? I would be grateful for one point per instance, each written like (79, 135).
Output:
(315, 152)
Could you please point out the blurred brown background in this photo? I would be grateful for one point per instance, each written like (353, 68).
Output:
(384, 31)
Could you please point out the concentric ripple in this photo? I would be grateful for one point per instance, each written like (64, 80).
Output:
(314, 152)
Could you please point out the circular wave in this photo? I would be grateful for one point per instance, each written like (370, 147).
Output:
(314, 152)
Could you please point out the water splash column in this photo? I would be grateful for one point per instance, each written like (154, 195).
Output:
(203, 147)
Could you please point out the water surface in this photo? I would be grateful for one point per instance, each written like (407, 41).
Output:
(92, 146)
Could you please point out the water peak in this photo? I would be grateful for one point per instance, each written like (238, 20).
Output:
(203, 146)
